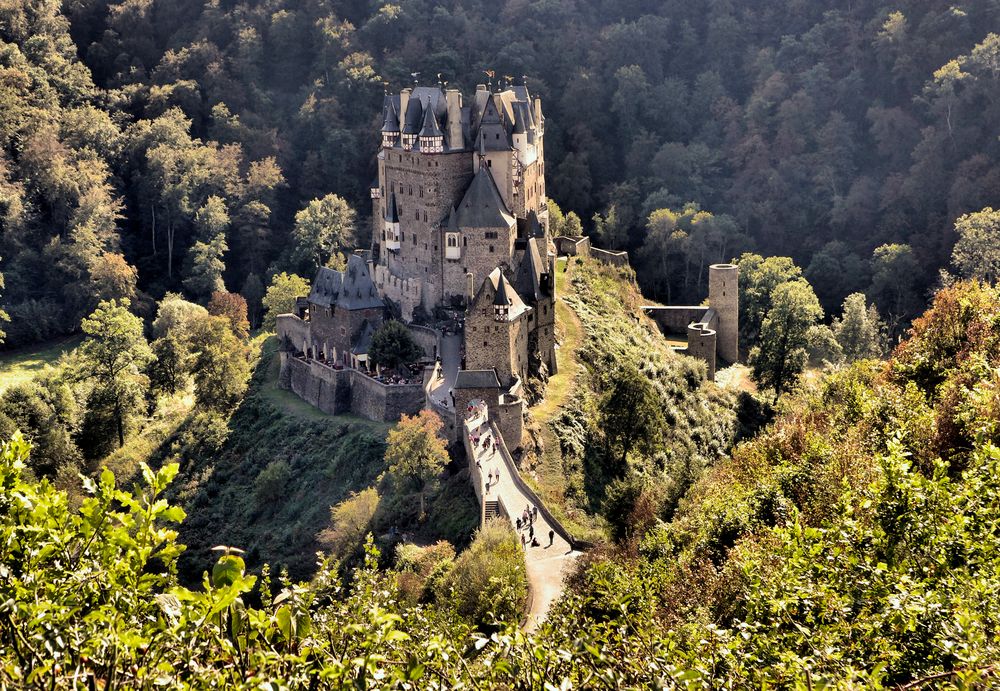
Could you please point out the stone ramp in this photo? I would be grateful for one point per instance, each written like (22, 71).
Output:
(547, 564)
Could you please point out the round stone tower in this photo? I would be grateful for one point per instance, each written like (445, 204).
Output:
(723, 297)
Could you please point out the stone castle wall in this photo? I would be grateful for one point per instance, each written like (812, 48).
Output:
(675, 320)
(612, 258)
(427, 338)
(349, 391)
(573, 246)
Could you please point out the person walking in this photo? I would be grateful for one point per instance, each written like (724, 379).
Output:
(531, 532)
(522, 540)
(552, 537)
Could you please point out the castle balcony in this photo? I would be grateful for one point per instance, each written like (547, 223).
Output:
(376, 192)
(392, 244)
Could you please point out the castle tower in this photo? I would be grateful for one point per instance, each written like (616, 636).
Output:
(723, 297)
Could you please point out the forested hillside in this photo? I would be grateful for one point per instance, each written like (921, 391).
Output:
(150, 145)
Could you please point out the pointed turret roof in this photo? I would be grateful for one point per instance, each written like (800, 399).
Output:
(430, 127)
(391, 212)
(391, 122)
(482, 206)
(500, 298)
(453, 220)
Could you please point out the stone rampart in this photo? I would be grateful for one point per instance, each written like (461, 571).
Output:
(572, 246)
(509, 416)
(675, 320)
(348, 390)
(613, 258)
(427, 338)
(295, 330)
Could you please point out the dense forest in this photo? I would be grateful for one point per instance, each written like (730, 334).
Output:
(150, 146)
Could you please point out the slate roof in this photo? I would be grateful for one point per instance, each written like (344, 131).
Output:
(528, 280)
(430, 127)
(503, 290)
(358, 291)
(477, 379)
(326, 287)
(482, 206)
(391, 122)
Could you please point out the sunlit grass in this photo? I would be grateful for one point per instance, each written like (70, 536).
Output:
(19, 366)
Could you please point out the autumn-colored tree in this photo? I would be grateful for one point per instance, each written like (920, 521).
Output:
(415, 452)
(233, 307)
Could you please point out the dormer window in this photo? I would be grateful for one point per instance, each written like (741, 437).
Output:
(500, 312)
(452, 247)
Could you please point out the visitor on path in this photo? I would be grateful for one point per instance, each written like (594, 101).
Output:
(522, 540)
(498, 475)
(478, 464)
(489, 481)
(552, 537)
(531, 532)
(519, 527)
(534, 542)
(534, 513)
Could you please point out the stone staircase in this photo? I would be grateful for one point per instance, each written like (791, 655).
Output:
(491, 508)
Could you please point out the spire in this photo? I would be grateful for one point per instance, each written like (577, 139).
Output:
(391, 213)
(430, 127)
(453, 220)
(501, 299)
(391, 122)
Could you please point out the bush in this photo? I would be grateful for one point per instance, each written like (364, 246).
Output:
(488, 584)
(270, 483)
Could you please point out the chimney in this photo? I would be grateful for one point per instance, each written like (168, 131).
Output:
(538, 114)
(453, 98)
(404, 100)
(469, 288)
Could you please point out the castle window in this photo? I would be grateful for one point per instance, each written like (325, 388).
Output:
(489, 164)
(411, 190)
(491, 248)
(421, 192)
(425, 217)
(416, 215)
(492, 235)
(465, 243)
(486, 343)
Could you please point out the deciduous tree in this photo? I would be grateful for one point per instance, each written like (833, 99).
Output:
(977, 252)
(393, 345)
(280, 297)
(631, 415)
(113, 356)
(781, 353)
(415, 451)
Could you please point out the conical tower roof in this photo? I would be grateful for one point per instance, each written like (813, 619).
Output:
(500, 299)
(391, 122)
(430, 127)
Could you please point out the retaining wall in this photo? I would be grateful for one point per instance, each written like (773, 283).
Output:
(606, 257)
(340, 391)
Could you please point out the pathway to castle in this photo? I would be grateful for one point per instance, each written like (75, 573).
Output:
(547, 564)
(451, 359)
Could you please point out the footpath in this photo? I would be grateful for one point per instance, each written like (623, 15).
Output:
(504, 494)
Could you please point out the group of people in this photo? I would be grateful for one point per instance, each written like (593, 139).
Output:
(526, 527)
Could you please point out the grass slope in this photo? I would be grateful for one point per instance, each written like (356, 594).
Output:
(320, 461)
(19, 366)
(600, 328)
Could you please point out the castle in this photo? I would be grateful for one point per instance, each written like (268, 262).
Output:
(460, 233)
(460, 223)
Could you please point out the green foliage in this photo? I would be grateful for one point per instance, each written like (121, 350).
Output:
(324, 228)
(221, 364)
(759, 279)
(976, 255)
(487, 583)
(280, 297)
(269, 486)
(781, 351)
(393, 345)
(415, 452)
(631, 415)
(113, 356)
(859, 330)
(349, 523)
